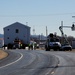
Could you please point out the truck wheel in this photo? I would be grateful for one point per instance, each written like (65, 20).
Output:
(47, 49)
(55, 49)
(70, 49)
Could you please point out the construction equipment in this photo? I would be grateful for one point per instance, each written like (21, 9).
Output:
(65, 44)
(63, 35)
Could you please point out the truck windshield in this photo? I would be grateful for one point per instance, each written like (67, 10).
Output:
(54, 40)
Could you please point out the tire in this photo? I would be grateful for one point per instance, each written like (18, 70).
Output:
(47, 49)
(54, 49)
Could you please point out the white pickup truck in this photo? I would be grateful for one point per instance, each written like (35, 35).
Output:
(53, 44)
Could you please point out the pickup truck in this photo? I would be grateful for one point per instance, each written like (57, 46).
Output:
(53, 44)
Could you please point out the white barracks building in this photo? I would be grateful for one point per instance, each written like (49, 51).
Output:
(16, 31)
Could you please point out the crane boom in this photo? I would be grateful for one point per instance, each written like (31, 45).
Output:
(61, 30)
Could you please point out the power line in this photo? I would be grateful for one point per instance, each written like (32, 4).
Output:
(33, 15)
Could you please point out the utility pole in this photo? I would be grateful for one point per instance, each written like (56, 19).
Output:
(62, 33)
(62, 27)
(33, 31)
(74, 19)
(46, 32)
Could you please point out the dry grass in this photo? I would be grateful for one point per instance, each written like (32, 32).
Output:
(73, 50)
(3, 54)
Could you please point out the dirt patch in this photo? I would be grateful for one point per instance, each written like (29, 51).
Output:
(73, 50)
(3, 54)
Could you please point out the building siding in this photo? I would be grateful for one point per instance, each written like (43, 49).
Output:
(10, 33)
(1, 42)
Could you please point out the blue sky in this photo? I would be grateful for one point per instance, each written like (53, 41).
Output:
(38, 14)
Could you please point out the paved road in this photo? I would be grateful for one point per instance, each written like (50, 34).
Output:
(38, 62)
(66, 64)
